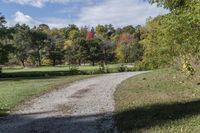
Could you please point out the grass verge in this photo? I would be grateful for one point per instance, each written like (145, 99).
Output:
(162, 101)
(15, 91)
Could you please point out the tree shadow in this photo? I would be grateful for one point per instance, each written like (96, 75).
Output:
(133, 120)
(39, 75)
(3, 112)
(28, 123)
(155, 115)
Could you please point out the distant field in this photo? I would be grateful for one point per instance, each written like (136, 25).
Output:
(15, 91)
(162, 101)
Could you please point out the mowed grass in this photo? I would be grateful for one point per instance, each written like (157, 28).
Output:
(54, 68)
(46, 71)
(15, 91)
(162, 101)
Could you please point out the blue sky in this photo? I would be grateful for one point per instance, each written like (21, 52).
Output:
(60, 13)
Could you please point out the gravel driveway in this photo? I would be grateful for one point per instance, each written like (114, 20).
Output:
(84, 107)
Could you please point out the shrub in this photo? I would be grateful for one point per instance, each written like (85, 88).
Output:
(73, 70)
(188, 64)
(122, 68)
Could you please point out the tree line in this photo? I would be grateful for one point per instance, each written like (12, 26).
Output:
(42, 45)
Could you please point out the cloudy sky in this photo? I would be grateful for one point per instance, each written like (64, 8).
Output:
(60, 13)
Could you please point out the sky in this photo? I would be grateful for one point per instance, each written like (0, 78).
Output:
(60, 13)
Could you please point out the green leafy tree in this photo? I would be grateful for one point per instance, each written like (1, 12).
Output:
(55, 46)
(173, 35)
(39, 39)
(101, 31)
(2, 21)
(129, 29)
(94, 51)
(22, 42)
(129, 53)
(71, 27)
(172, 4)
(5, 41)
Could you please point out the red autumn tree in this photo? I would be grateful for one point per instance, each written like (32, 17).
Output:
(89, 35)
(125, 38)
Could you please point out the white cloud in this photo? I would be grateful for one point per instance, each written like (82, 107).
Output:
(35, 3)
(22, 18)
(116, 12)
(41, 3)
(119, 13)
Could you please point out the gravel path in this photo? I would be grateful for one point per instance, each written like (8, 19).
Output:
(84, 107)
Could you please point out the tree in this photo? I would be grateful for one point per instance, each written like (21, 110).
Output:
(94, 50)
(43, 28)
(101, 31)
(83, 32)
(128, 29)
(73, 34)
(110, 30)
(90, 35)
(71, 27)
(171, 4)
(22, 42)
(108, 51)
(127, 53)
(5, 41)
(174, 35)
(55, 47)
(80, 50)
(156, 54)
(2, 21)
(39, 39)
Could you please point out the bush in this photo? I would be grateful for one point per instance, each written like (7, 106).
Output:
(123, 68)
(188, 64)
(103, 69)
(74, 70)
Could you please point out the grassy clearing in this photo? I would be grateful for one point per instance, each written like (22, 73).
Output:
(46, 71)
(15, 91)
(162, 101)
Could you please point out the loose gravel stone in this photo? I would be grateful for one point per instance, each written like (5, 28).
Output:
(85, 106)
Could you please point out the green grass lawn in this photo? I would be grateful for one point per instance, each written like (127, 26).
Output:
(56, 68)
(15, 91)
(162, 101)
(46, 71)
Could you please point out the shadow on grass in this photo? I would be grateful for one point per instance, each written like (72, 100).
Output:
(155, 115)
(49, 74)
(128, 121)
(39, 75)
(3, 112)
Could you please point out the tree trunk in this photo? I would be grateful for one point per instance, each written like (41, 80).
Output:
(38, 57)
(54, 62)
(23, 64)
(79, 62)
(93, 63)
(105, 57)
